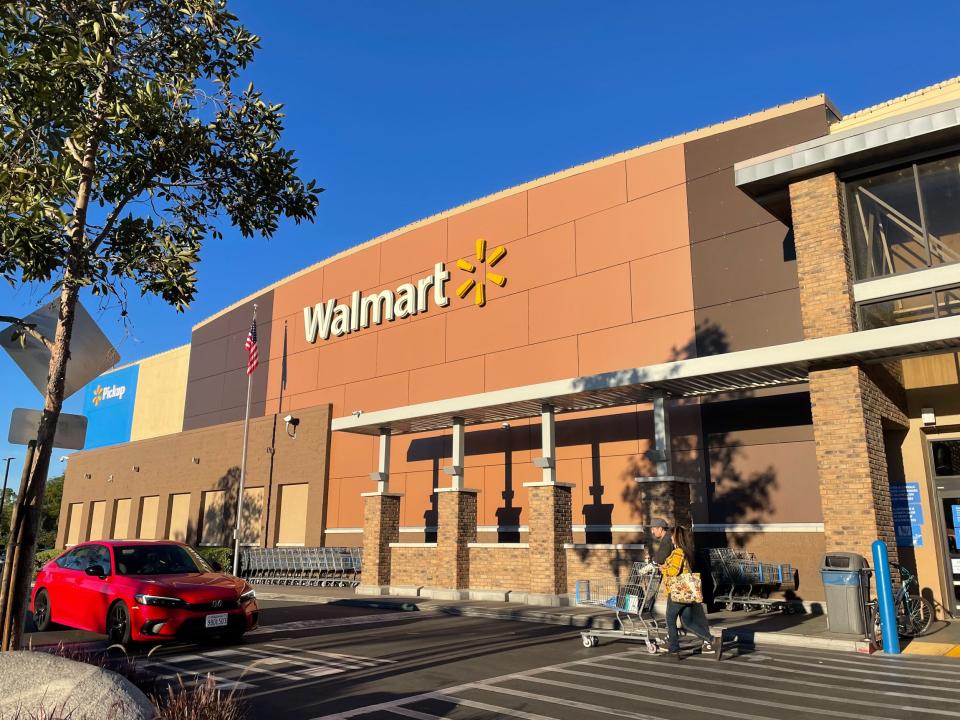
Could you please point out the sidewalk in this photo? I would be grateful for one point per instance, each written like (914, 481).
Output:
(750, 629)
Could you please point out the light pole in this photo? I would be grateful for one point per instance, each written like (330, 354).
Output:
(3, 495)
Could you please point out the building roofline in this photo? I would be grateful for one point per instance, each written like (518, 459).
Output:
(672, 141)
(148, 357)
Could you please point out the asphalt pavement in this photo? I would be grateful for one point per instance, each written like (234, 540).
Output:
(337, 661)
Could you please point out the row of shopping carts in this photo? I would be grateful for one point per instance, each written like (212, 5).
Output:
(741, 581)
(307, 566)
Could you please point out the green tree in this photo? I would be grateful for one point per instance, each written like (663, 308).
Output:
(50, 512)
(124, 146)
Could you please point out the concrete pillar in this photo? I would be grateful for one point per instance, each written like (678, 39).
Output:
(381, 526)
(551, 527)
(458, 455)
(382, 475)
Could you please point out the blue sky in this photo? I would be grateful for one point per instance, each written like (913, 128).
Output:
(404, 109)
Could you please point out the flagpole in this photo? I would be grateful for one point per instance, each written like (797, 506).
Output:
(243, 471)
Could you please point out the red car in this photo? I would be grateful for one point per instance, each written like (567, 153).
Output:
(139, 590)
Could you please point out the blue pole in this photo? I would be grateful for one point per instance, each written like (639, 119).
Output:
(888, 619)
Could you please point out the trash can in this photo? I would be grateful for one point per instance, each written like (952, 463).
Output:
(846, 582)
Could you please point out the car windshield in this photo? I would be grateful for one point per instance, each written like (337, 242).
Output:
(156, 560)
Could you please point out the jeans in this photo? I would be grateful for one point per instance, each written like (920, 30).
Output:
(693, 619)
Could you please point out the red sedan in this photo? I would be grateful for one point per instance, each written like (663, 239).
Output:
(138, 590)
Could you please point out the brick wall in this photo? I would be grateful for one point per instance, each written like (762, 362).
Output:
(456, 527)
(587, 563)
(381, 526)
(412, 566)
(500, 568)
(550, 529)
(852, 404)
(823, 262)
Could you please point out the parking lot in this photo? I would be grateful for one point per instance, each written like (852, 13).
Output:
(339, 661)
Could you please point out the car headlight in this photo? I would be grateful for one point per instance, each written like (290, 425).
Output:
(248, 595)
(159, 600)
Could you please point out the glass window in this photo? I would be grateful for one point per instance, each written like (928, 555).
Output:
(100, 555)
(940, 191)
(886, 231)
(946, 457)
(948, 302)
(79, 559)
(154, 560)
(897, 312)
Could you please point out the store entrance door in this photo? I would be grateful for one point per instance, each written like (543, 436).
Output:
(949, 501)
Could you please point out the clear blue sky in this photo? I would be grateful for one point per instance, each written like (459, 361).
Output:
(404, 109)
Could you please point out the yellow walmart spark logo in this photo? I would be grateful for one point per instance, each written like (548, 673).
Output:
(97, 396)
(484, 262)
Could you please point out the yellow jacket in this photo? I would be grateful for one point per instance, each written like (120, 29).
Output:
(676, 564)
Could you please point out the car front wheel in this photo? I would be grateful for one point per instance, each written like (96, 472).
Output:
(41, 611)
(118, 623)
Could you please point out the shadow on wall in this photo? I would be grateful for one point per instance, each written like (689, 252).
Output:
(220, 513)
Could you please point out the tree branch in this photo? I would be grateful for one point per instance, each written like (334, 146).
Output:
(28, 328)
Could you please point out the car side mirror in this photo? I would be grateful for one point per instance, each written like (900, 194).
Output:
(217, 567)
(96, 571)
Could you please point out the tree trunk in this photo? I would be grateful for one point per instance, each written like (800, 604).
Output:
(23, 530)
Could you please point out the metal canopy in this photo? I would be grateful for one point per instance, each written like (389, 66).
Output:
(771, 366)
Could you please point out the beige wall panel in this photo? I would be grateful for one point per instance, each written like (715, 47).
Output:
(149, 506)
(292, 527)
(213, 530)
(179, 517)
(161, 393)
(251, 525)
(121, 519)
(97, 513)
(930, 371)
(74, 518)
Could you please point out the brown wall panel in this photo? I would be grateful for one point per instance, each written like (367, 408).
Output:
(755, 322)
(576, 196)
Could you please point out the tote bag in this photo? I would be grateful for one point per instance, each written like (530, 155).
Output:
(686, 588)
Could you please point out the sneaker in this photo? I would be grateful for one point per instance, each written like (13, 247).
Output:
(707, 647)
(673, 655)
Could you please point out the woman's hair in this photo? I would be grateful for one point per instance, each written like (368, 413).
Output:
(683, 539)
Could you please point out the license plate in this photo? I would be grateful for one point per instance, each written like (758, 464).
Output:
(216, 620)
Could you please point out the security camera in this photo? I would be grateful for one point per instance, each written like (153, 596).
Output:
(505, 425)
(289, 419)
(357, 413)
(291, 423)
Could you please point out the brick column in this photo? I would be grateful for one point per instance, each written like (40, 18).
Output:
(851, 404)
(551, 526)
(381, 526)
(668, 499)
(456, 528)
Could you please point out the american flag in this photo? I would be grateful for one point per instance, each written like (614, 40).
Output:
(253, 356)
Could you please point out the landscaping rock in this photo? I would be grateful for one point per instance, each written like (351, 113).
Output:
(38, 684)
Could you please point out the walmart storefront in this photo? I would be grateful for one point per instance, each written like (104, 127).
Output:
(503, 395)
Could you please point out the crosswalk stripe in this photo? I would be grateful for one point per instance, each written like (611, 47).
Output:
(395, 616)
(599, 709)
(331, 666)
(415, 714)
(888, 671)
(725, 669)
(499, 709)
(675, 703)
(869, 681)
(741, 686)
(252, 667)
(942, 667)
(351, 661)
(175, 672)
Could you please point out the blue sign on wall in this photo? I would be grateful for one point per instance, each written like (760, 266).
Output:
(907, 514)
(108, 404)
(956, 516)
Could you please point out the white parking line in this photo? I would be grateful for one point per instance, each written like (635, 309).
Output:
(396, 616)
(499, 709)
(725, 669)
(175, 672)
(753, 687)
(347, 660)
(672, 702)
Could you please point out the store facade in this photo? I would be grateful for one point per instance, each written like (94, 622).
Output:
(501, 396)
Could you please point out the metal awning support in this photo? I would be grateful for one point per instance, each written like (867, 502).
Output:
(382, 476)
(455, 470)
(661, 435)
(548, 440)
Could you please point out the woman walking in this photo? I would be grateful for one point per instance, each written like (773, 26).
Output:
(688, 607)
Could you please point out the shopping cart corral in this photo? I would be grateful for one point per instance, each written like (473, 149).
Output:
(632, 601)
(306, 566)
(742, 582)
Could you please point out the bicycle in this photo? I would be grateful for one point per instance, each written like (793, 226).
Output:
(914, 613)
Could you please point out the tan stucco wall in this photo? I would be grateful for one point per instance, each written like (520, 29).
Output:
(161, 389)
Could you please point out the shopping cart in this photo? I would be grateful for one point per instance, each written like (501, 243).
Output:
(632, 601)
(742, 581)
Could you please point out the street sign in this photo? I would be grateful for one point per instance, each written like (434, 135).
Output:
(24, 424)
(91, 353)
